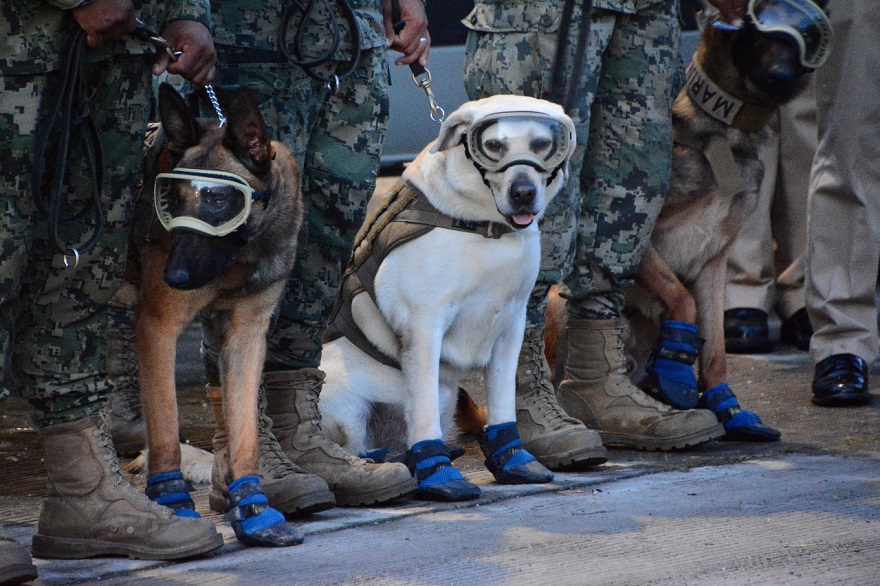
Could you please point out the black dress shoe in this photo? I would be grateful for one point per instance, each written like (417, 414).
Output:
(797, 330)
(746, 331)
(841, 380)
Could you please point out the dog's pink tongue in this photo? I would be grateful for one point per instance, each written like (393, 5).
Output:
(523, 219)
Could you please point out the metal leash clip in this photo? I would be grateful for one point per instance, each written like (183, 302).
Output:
(148, 34)
(422, 79)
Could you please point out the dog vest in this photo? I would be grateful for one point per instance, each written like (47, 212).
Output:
(405, 216)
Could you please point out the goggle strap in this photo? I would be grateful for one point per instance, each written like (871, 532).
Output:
(184, 173)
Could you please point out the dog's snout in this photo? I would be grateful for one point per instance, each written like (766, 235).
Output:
(523, 192)
(779, 73)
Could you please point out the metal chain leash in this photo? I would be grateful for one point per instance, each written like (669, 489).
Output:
(152, 36)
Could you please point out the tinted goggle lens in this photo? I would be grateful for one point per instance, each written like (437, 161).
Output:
(802, 20)
(499, 141)
(214, 205)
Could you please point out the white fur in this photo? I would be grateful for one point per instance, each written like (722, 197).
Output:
(195, 464)
(447, 295)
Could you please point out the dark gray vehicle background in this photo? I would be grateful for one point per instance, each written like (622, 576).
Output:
(411, 127)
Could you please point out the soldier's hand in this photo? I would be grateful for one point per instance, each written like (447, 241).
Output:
(413, 39)
(197, 58)
(105, 20)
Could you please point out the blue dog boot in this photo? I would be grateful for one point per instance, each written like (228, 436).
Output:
(505, 458)
(171, 490)
(671, 365)
(439, 480)
(740, 425)
(254, 521)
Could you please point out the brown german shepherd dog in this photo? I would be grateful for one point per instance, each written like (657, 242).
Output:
(238, 277)
(682, 275)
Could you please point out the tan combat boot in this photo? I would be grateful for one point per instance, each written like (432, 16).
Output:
(554, 438)
(287, 486)
(597, 390)
(292, 404)
(91, 510)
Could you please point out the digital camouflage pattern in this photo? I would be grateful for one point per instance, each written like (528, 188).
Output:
(257, 25)
(56, 313)
(595, 232)
(52, 318)
(35, 32)
(337, 138)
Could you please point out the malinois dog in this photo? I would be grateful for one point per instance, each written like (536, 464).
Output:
(227, 210)
(738, 79)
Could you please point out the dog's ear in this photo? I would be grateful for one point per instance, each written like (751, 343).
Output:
(452, 130)
(178, 123)
(248, 135)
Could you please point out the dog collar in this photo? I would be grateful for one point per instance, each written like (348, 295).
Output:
(722, 106)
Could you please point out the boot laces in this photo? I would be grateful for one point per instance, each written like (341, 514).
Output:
(541, 391)
(622, 362)
(105, 442)
(271, 450)
(624, 365)
(316, 433)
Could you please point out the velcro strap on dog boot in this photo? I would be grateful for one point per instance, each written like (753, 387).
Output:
(254, 521)
(169, 489)
(671, 364)
(739, 424)
(505, 458)
(439, 480)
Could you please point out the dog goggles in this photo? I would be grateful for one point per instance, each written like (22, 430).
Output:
(214, 203)
(800, 20)
(519, 138)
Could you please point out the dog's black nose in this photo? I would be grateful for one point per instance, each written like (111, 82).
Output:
(522, 192)
(179, 278)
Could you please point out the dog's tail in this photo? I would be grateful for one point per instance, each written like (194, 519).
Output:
(470, 417)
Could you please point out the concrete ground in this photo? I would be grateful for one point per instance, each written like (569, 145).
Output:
(805, 510)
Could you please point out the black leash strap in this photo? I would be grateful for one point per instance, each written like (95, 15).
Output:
(420, 74)
(293, 50)
(564, 90)
(71, 111)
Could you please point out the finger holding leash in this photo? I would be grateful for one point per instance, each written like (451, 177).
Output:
(196, 59)
(406, 26)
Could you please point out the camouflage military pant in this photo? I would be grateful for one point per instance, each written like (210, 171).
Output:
(596, 230)
(52, 317)
(337, 138)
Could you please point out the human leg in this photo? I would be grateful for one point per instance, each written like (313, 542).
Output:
(59, 350)
(798, 140)
(843, 227)
(339, 174)
(624, 181)
(505, 63)
(749, 293)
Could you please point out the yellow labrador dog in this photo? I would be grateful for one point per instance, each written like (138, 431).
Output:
(437, 289)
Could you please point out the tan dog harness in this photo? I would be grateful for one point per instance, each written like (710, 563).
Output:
(405, 216)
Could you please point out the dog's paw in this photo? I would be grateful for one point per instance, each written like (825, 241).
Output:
(195, 464)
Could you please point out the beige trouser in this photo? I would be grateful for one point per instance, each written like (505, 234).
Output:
(844, 206)
(766, 265)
